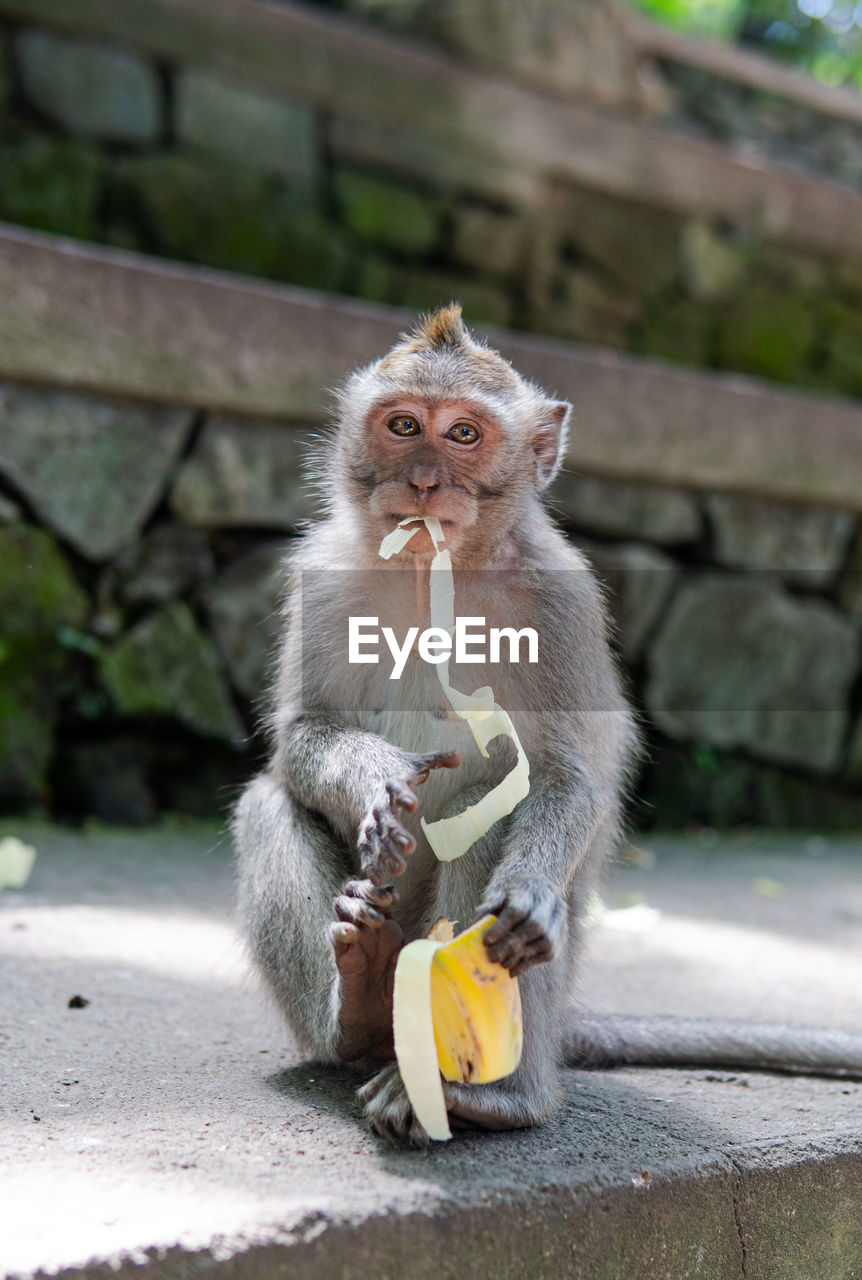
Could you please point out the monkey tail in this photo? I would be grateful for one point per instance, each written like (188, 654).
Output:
(616, 1040)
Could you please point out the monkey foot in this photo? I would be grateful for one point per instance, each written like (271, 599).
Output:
(366, 941)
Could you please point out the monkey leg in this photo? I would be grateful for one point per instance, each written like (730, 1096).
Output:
(531, 1093)
(322, 942)
(527, 1097)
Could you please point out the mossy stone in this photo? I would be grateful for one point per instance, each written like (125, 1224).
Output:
(698, 784)
(386, 212)
(93, 469)
(625, 509)
(5, 73)
(375, 277)
(580, 307)
(843, 369)
(38, 597)
(248, 130)
(9, 510)
(422, 290)
(239, 221)
(714, 265)
(489, 241)
(244, 473)
(51, 185)
(639, 246)
(854, 761)
(682, 331)
(89, 88)
(768, 333)
(242, 609)
(739, 662)
(849, 589)
(166, 667)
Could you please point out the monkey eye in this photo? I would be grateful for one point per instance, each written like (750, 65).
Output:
(403, 425)
(463, 432)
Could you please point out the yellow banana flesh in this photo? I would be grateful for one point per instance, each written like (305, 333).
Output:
(476, 1010)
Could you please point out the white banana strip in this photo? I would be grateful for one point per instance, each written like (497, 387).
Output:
(16, 862)
(451, 837)
(413, 1029)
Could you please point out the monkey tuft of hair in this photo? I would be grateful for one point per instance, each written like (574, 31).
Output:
(441, 328)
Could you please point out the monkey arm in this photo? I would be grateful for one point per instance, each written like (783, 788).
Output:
(333, 769)
(359, 783)
(549, 841)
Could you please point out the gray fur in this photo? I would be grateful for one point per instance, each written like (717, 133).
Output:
(616, 1040)
(325, 817)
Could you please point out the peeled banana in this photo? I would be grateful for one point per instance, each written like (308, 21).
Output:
(456, 1014)
(475, 1009)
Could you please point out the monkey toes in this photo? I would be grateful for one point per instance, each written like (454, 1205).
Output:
(388, 1108)
(384, 844)
(366, 941)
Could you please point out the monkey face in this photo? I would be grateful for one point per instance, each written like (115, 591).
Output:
(431, 458)
(443, 426)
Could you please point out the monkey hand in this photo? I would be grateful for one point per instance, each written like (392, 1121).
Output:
(530, 926)
(384, 844)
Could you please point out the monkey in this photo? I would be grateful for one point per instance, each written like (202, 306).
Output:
(335, 873)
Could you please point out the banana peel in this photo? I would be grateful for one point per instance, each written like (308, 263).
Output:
(456, 1014)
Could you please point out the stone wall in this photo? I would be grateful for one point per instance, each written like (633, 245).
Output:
(113, 143)
(142, 517)
(139, 579)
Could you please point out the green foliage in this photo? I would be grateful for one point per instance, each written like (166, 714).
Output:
(823, 37)
(701, 17)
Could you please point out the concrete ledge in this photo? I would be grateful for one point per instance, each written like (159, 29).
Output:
(472, 130)
(105, 320)
(167, 1128)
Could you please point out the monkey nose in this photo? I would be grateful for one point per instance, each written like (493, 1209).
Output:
(424, 482)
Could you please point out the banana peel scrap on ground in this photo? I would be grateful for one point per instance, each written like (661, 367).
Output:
(456, 1013)
(16, 862)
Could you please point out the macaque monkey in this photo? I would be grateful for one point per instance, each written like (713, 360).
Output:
(335, 872)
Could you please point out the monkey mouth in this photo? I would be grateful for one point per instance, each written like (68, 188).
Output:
(398, 516)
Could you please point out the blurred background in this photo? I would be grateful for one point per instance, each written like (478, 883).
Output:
(655, 210)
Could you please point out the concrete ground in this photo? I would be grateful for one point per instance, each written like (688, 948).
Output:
(167, 1127)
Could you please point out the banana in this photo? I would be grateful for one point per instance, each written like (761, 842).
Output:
(475, 1009)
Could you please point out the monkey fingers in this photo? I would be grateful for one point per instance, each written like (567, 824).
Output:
(529, 927)
(400, 796)
(420, 765)
(423, 764)
(385, 845)
(524, 941)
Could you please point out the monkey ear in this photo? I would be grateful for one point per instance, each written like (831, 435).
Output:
(549, 440)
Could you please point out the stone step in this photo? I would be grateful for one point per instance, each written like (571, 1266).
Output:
(167, 1127)
(123, 324)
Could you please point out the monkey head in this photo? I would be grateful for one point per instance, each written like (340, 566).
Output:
(442, 425)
